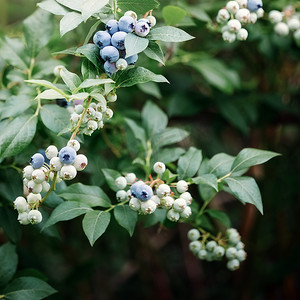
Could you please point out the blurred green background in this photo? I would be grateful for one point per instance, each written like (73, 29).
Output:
(250, 98)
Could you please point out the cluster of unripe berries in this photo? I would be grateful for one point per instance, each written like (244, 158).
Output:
(95, 114)
(231, 248)
(63, 165)
(235, 15)
(146, 197)
(112, 40)
(286, 21)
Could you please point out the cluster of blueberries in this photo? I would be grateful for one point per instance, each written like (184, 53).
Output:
(211, 250)
(144, 200)
(63, 165)
(235, 15)
(95, 114)
(286, 21)
(112, 41)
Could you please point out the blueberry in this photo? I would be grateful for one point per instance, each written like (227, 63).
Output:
(102, 39)
(118, 40)
(144, 192)
(42, 151)
(134, 188)
(145, 20)
(126, 23)
(142, 28)
(110, 68)
(67, 155)
(37, 160)
(254, 5)
(62, 102)
(131, 60)
(110, 54)
(112, 26)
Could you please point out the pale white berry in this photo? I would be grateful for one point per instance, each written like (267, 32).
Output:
(74, 117)
(109, 113)
(195, 246)
(187, 212)
(243, 15)
(51, 152)
(293, 23)
(229, 37)
(182, 186)
(32, 199)
(131, 14)
(121, 182)
(219, 251)
(241, 255)
(80, 162)
(224, 28)
(275, 16)
(233, 264)
(234, 25)
(232, 7)
(173, 215)
(101, 106)
(231, 253)
(253, 18)
(45, 187)
(92, 125)
(34, 188)
(148, 207)
(35, 216)
(79, 109)
(98, 116)
(130, 178)
(135, 204)
(57, 69)
(193, 234)
(152, 20)
(242, 3)
(240, 245)
(100, 124)
(242, 34)
(38, 176)
(112, 96)
(260, 13)
(25, 182)
(121, 64)
(68, 172)
(74, 144)
(163, 190)
(187, 197)
(202, 254)
(159, 167)
(23, 218)
(211, 245)
(167, 202)
(90, 112)
(20, 204)
(27, 172)
(155, 199)
(223, 15)
(297, 35)
(121, 195)
(281, 29)
(179, 205)
(55, 164)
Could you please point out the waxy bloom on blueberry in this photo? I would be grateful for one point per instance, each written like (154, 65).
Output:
(67, 155)
(102, 39)
(37, 160)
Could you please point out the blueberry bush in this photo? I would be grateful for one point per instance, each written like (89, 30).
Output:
(144, 118)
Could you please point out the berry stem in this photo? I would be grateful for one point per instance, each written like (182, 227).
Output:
(39, 106)
(115, 205)
(52, 188)
(32, 61)
(225, 176)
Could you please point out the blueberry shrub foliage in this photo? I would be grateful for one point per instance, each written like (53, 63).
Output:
(66, 131)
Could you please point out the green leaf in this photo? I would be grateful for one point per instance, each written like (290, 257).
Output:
(168, 136)
(38, 30)
(50, 94)
(9, 262)
(90, 7)
(53, 7)
(189, 163)
(126, 217)
(220, 215)
(9, 225)
(199, 14)
(246, 190)
(158, 216)
(130, 77)
(91, 32)
(110, 177)
(167, 155)
(173, 14)
(17, 135)
(91, 52)
(135, 44)
(138, 132)
(86, 194)
(220, 164)
(73, 4)
(207, 179)
(150, 88)
(72, 80)
(67, 211)
(79, 96)
(154, 51)
(15, 105)
(46, 84)
(169, 34)
(249, 157)
(94, 82)
(54, 117)
(94, 224)
(24, 288)
(139, 6)
(70, 21)
(154, 119)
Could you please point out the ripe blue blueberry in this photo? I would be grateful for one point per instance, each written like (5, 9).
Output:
(254, 5)
(131, 60)
(37, 160)
(62, 102)
(126, 23)
(142, 29)
(134, 187)
(67, 155)
(43, 152)
(144, 192)
(102, 39)
(112, 26)
(118, 40)
(110, 68)
(110, 54)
